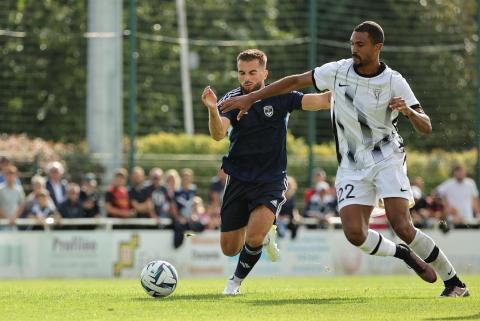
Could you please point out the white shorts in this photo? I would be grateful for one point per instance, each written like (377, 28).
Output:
(370, 185)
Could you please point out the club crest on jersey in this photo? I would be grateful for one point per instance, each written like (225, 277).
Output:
(268, 110)
(377, 92)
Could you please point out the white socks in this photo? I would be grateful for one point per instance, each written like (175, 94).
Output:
(425, 247)
(376, 244)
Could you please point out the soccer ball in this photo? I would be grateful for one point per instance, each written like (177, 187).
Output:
(159, 278)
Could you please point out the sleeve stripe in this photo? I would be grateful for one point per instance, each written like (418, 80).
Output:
(232, 93)
(314, 82)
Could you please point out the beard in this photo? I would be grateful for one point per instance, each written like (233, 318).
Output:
(257, 86)
(357, 61)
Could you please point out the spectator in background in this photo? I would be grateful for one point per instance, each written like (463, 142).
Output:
(420, 212)
(321, 205)
(12, 197)
(161, 201)
(38, 187)
(172, 183)
(89, 196)
(42, 208)
(56, 186)
(319, 179)
(4, 163)
(289, 216)
(138, 193)
(182, 211)
(72, 207)
(460, 196)
(215, 197)
(116, 199)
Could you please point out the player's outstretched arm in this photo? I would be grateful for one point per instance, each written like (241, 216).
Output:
(217, 125)
(420, 121)
(313, 102)
(282, 86)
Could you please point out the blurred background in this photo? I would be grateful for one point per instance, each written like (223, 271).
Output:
(88, 87)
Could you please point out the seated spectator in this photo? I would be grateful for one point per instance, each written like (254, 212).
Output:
(215, 193)
(172, 183)
(89, 196)
(460, 196)
(419, 212)
(4, 163)
(116, 199)
(38, 186)
(138, 194)
(182, 209)
(12, 197)
(42, 208)
(56, 185)
(319, 179)
(72, 207)
(289, 216)
(321, 205)
(161, 202)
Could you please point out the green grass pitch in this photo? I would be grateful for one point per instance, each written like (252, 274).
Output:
(274, 298)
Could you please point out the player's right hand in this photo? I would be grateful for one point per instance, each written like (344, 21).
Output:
(209, 98)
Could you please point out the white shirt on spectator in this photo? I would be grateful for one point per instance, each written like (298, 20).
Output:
(57, 189)
(11, 199)
(460, 195)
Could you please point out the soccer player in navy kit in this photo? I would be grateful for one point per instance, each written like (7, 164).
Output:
(255, 164)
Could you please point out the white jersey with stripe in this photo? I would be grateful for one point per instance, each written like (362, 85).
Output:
(363, 123)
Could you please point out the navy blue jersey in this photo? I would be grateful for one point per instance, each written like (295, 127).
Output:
(258, 142)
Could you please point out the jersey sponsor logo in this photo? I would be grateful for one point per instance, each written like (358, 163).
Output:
(377, 92)
(274, 203)
(268, 110)
(403, 189)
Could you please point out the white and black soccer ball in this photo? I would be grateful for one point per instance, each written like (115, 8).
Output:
(159, 278)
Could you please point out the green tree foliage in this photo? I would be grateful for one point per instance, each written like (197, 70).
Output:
(43, 64)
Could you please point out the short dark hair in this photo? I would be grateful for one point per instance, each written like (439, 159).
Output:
(375, 32)
(253, 54)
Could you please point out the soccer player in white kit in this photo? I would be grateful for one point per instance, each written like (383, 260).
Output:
(367, 99)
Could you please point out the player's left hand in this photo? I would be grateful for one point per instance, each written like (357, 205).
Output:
(398, 103)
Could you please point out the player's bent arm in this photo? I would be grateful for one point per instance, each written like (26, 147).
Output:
(283, 86)
(313, 102)
(420, 121)
(217, 125)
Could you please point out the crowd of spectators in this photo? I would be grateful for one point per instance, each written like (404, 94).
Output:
(173, 196)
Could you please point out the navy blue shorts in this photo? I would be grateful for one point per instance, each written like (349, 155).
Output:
(241, 198)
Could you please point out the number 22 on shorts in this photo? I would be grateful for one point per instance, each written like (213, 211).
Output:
(347, 190)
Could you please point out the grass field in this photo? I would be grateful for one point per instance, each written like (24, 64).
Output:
(336, 298)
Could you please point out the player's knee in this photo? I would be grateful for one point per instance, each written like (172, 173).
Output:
(255, 239)
(357, 238)
(230, 248)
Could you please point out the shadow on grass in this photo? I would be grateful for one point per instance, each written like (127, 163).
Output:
(179, 297)
(316, 301)
(460, 317)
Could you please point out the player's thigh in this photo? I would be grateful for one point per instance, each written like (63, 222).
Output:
(355, 188)
(260, 222)
(235, 210)
(232, 242)
(355, 218)
(391, 179)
